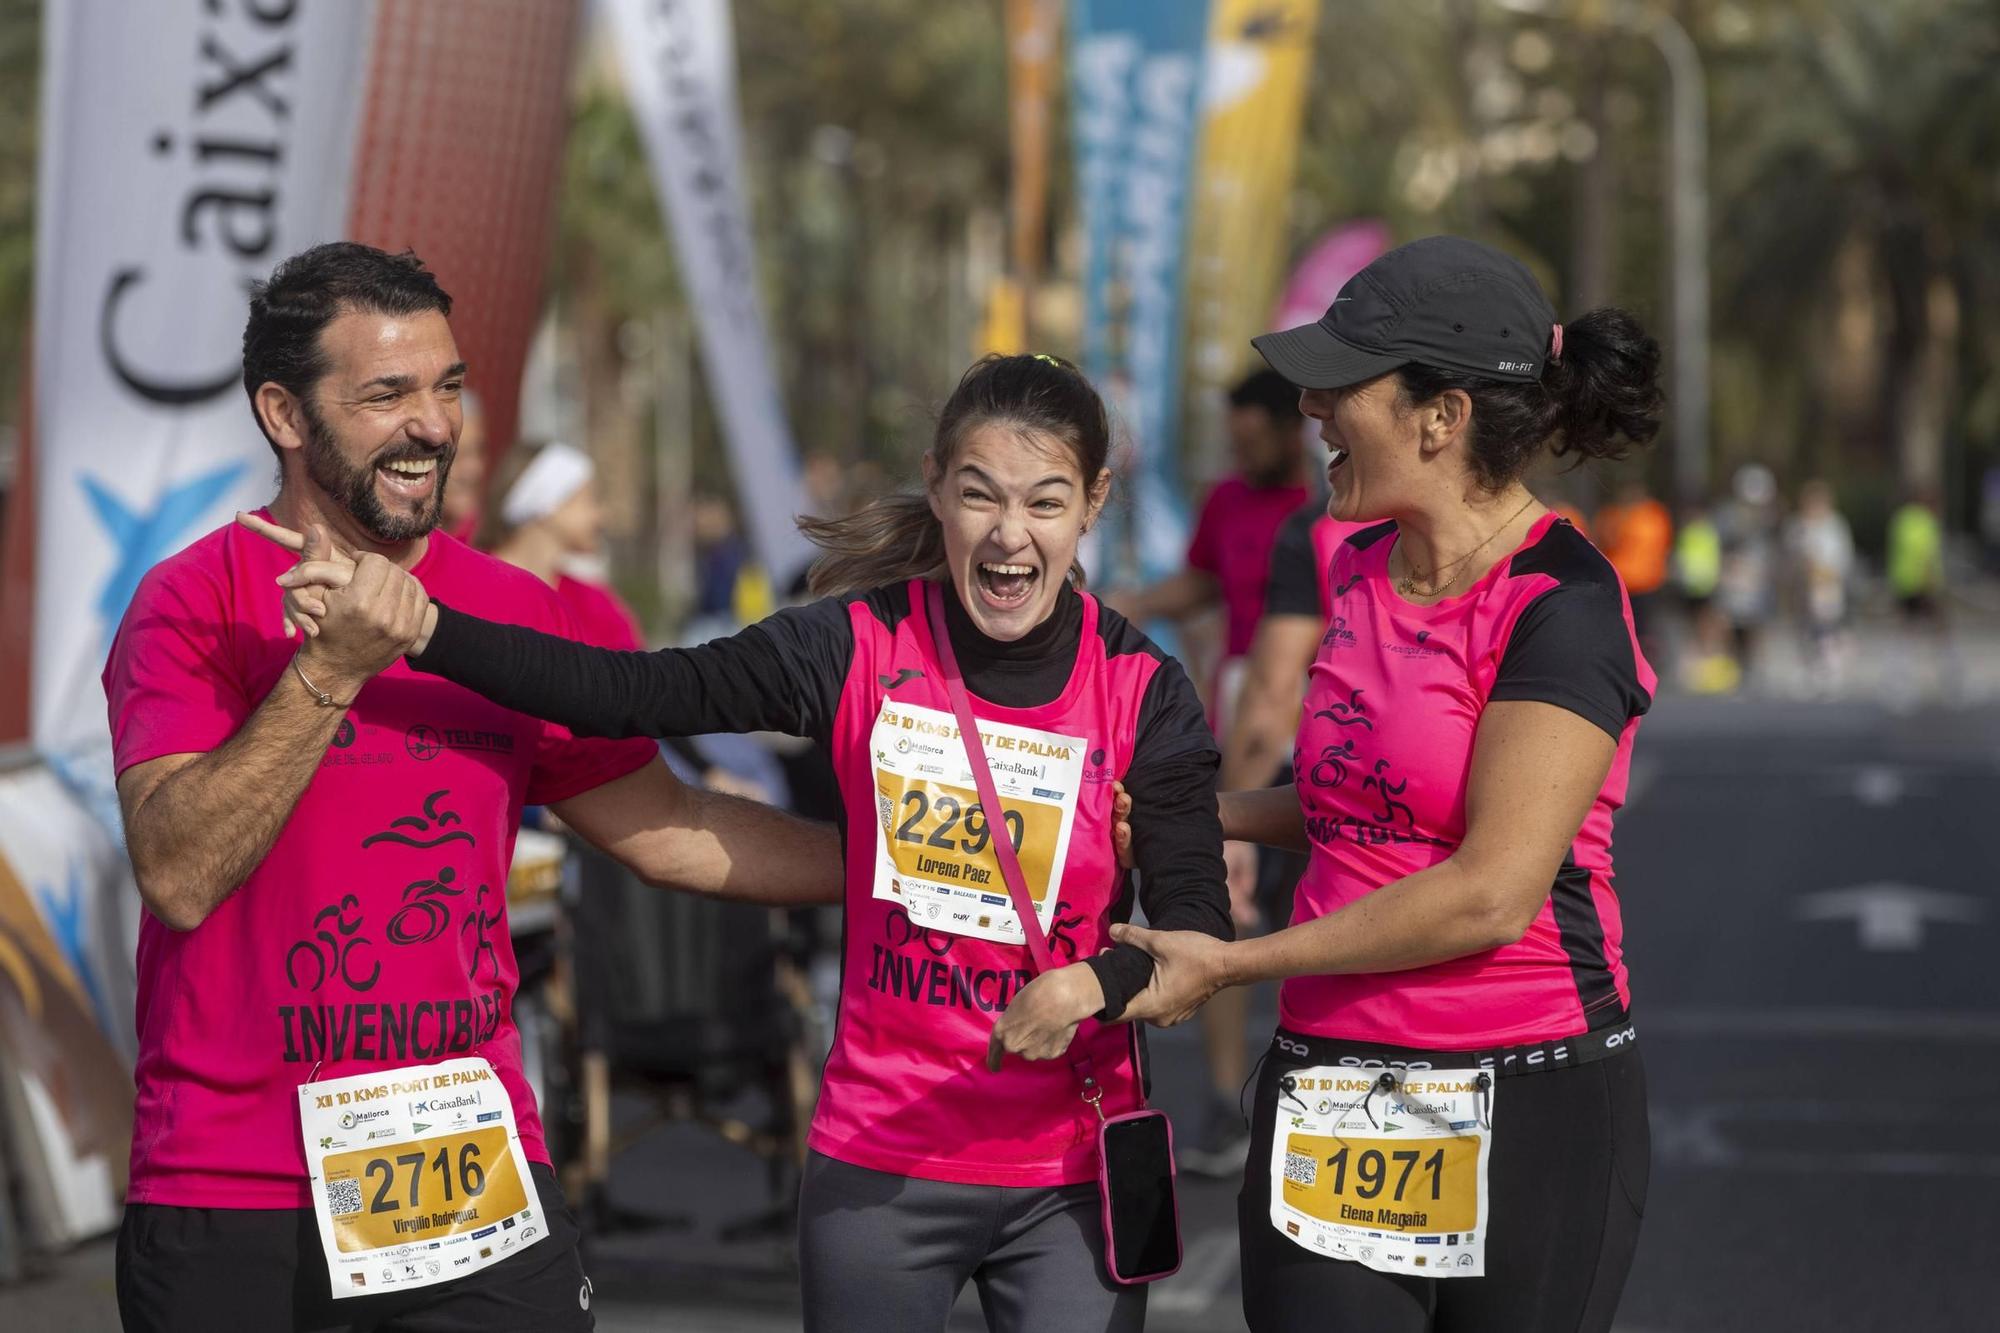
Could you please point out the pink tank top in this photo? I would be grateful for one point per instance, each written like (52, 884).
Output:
(927, 962)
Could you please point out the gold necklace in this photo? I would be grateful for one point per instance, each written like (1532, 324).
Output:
(1407, 584)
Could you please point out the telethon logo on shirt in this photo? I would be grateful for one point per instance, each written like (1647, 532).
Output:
(426, 743)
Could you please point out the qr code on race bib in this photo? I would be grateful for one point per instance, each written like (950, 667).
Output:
(1301, 1169)
(884, 809)
(343, 1197)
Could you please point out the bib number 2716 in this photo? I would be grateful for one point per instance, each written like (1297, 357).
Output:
(417, 1175)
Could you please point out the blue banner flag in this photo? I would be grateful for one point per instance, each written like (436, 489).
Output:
(1135, 86)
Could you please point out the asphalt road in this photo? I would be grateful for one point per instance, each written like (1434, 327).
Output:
(1811, 919)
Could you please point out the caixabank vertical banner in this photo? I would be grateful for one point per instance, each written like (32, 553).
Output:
(186, 149)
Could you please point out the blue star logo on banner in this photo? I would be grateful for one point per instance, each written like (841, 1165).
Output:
(64, 915)
(144, 539)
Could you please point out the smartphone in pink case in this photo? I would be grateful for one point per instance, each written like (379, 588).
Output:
(1142, 1215)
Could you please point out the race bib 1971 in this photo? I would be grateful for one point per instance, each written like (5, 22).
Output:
(1391, 1178)
(934, 845)
(417, 1175)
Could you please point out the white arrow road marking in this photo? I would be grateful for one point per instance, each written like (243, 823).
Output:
(1878, 785)
(1891, 917)
(1748, 1136)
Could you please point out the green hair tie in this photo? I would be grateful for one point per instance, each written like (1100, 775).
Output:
(1044, 356)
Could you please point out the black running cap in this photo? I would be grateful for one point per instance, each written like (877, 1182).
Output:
(1443, 301)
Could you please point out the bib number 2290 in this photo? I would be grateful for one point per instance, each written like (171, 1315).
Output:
(932, 823)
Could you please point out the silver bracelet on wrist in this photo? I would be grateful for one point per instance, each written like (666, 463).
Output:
(320, 696)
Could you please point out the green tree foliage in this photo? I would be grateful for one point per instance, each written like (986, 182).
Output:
(20, 92)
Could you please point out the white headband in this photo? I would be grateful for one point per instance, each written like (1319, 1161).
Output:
(557, 473)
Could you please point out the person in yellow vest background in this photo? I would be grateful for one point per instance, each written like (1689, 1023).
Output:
(1707, 667)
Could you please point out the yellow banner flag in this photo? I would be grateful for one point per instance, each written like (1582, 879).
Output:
(1034, 31)
(1259, 58)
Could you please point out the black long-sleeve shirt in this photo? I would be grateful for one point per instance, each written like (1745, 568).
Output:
(786, 674)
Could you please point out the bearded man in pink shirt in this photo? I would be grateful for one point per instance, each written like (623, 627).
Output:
(322, 836)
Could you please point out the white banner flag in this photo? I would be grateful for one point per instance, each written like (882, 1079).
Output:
(679, 58)
(185, 150)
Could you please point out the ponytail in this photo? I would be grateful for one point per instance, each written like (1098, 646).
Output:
(890, 540)
(1606, 385)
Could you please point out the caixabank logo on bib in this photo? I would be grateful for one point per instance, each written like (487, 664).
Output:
(439, 1105)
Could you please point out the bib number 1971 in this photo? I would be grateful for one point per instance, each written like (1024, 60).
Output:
(1388, 1171)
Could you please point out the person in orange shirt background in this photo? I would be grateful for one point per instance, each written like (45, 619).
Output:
(1636, 533)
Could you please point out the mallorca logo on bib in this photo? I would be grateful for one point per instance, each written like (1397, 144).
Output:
(417, 1175)
(1386, 1170)
(934, 845)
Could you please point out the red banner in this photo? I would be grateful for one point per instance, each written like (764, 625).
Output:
(461, 143)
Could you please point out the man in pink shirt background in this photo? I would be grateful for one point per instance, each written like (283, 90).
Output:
(1229, 556)
(321, 836)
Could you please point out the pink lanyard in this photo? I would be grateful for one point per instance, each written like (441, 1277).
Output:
(1003, 846)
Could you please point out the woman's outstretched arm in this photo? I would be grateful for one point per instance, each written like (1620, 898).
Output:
(782, 674)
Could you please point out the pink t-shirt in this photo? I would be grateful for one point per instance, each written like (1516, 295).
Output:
(374, 933)
(602, 618)
(1383, 756)
(1232, 540)
(906, 1088)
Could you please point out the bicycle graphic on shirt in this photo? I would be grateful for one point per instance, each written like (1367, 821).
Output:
(901, 930)
(333, 947)
(1331, 770)
(423, 917)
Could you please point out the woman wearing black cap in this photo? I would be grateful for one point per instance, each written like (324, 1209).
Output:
(1450, 1124)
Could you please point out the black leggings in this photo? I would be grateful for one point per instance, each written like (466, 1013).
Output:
(1567, 1177)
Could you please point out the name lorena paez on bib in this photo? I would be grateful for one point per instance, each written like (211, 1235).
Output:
(1385, 1168)
(934, 845)
(417, 1175)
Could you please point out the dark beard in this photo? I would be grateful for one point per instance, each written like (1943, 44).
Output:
(353, 488)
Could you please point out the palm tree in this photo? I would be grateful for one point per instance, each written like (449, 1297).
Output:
(1858, 164)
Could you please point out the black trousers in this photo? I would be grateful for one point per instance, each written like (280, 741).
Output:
(1567, 1179)
(243, 1270)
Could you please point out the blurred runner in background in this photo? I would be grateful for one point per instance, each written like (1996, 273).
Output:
(466, 496)
(1707, 668)
(1747, 592)
(1229, 556)
(1915, 558)
(549, 521)
(1636, 534)
(1821, 546)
